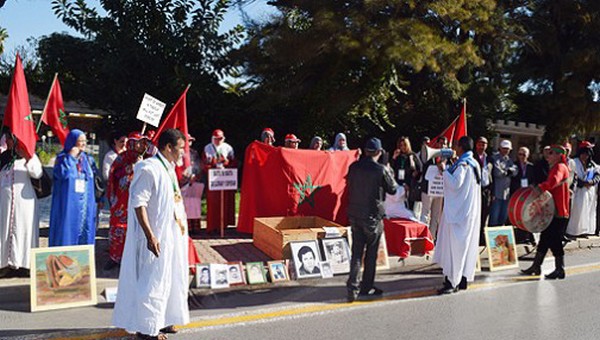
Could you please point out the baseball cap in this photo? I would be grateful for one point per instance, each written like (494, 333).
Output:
(373, 144)
(506, 144)
(218, 133)
(291, 138)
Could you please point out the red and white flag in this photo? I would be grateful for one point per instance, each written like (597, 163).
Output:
(54, 114)
(17, 116)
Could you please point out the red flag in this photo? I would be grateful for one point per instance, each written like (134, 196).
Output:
(456, 129)
(54, 112)
(177, 119)
(289, 182)
(17, 116)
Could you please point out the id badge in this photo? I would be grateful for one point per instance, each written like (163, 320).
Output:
(80, 186)
(401, 174)
(524, 183)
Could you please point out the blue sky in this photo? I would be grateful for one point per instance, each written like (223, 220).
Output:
(34, 18)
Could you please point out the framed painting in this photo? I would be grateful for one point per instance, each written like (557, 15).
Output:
(337, 252)
(277, 271)
(306, 258)
(501, 247)
(220, 276)
(202, 276)
(256, 273)
(235, 272)
(62, 277)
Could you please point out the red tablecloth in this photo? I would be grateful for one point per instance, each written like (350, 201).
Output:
(401, 233)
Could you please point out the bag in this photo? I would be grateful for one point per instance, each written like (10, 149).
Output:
(42, 185)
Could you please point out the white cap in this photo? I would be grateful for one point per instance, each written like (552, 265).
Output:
(506, 144)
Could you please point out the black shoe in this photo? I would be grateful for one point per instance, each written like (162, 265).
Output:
(557, 274)
(463, 284)
(352, 295)
(447, 289)
(533, 271)
(169, 330)
(371, 292)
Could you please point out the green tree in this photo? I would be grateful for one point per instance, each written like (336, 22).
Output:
(366, 67)
(153, 46)
(557, 67)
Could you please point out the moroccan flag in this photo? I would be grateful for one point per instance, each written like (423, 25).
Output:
(456, 129)
(54, 112)
(177, 119)
(290, 182)
(17, 116)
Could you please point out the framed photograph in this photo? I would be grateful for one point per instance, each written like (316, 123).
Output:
(326, 269)
(337, 252)
(235, 271)
(306, 258)
(220, 276)
(256, 273)
(62, 277)
(501, 246)
(203, 276)
(277, 271)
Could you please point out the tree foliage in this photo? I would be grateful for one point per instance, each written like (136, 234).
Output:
(557, 67)
(366, 67)
(134, 47)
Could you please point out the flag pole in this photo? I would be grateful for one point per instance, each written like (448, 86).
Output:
(46, 105)
(465, 110)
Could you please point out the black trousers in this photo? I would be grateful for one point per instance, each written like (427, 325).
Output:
(365, 234)
(552, 237)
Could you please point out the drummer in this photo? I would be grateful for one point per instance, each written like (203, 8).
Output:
(552, 237)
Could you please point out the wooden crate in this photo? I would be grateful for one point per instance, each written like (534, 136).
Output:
(272, 235)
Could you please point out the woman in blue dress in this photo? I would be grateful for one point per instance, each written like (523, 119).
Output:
(73, 212)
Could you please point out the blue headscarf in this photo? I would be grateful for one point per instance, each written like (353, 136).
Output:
(70, 142)
(335, 146)
(467, 158)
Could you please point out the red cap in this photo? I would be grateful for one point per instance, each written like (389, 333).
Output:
(291, 137)
(218, 133)
(135, 135)
(269, 130)
(585, 144)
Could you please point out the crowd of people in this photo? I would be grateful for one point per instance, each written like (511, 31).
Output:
(155, 200)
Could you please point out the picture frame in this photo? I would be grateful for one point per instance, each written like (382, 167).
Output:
(278, 271)
(202, 276)
(256, 273)
(336, 251)
(235, 271)
(219, 274)
(307, 262)
(62, 277)
(326, 269)
(501, 248)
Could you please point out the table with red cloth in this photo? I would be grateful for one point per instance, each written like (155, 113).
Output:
(400, 234)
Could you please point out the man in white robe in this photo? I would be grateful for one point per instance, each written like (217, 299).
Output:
(153, 281)
(458, 236)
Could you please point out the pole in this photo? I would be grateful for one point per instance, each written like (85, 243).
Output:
(222, 213)
(46, 105)
(143, 128)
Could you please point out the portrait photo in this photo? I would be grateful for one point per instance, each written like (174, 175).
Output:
(256, 273)
(307, 262)
(203, 276)
(62, 277)
(501, 247)
(236, 273)
(220, 276)
(277, 271)
(337, 252)
(326, 269)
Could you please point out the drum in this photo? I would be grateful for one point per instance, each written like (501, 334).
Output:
(531, 213)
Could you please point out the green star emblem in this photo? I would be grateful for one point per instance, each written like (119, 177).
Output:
(307, 191)
(29, 117)
(62, 118)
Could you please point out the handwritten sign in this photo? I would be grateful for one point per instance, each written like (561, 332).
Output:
(222, 179)
(436, 182)
(151, 110)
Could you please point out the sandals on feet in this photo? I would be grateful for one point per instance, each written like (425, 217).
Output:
(169, 330)
(160, 336)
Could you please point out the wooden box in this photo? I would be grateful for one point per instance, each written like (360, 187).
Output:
(273, 235)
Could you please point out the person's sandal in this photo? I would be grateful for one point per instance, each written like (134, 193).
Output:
(169, 330)
(160, 336)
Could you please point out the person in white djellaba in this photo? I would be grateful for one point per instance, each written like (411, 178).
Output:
(582, 221)
(153, 281)
(458, 235)
(19, 215)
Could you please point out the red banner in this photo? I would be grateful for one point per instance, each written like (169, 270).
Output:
(54, 112)
(288, 182)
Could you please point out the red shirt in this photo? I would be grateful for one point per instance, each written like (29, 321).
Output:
(558, 187)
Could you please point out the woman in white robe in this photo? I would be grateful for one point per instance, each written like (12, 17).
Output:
(582, 220)
(19, 216)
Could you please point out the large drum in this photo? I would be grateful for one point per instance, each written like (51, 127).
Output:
(531, 213)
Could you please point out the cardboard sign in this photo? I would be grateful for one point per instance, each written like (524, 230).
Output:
(222, 179)
(436, 182)
(151, 110)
